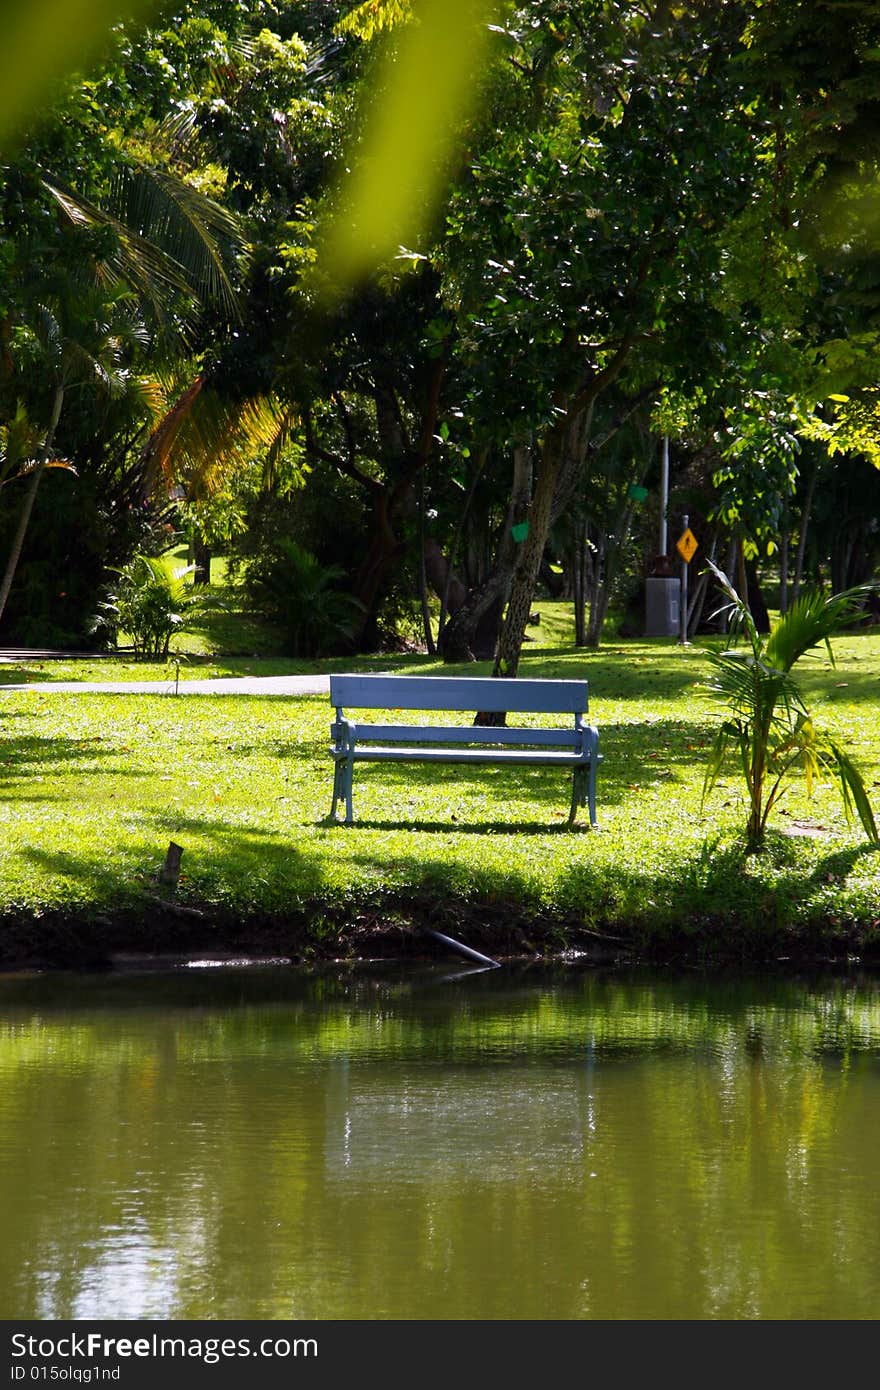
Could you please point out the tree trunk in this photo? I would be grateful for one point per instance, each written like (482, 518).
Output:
(742, 582)
(802, 536)
(607, 573)
(562, 458)
(29, 499)
(593, 583)
(757, 602)
(423, 572)
(384, 551)
(452, 592)
(202, 562)
(465, 634)
(579, 583)
(523, 588)
(442, 577)
(701, 589)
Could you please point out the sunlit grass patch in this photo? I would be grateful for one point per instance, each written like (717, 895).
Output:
(94, 787)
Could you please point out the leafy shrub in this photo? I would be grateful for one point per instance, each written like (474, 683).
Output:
(767, 719)
(151, 602)
(291, 588)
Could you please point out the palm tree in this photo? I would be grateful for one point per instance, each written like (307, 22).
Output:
(768, 721)
(161, 260)
(79, 333)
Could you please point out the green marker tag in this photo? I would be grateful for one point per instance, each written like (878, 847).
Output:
(520, 531)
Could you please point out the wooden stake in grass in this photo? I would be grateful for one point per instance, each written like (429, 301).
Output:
(170, 871)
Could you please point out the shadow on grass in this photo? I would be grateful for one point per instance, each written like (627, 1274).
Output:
(79, 868)
(633, 755)
(616, 674)
(19, 675)
(395, 783)
(229, 628)
(765, 894)
(457, 827)
(838, 686)
(250, 869)
(716, 898)
(20, 758)
(841, 862)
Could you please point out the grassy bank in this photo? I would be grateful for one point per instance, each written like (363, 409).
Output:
(95, 787)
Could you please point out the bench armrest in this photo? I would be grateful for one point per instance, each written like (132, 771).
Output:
(589, 741)
(344, 734)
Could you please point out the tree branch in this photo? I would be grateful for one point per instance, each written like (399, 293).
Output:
(344, 465)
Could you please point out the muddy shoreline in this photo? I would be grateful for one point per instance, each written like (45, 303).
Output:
(400, 928)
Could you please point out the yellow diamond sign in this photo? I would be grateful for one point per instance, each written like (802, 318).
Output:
(686, 545)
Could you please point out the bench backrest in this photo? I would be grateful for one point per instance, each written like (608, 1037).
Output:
(458, 693)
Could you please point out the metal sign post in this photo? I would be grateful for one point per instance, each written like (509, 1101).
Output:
(683, 636)
(664, 493)
(686, 545)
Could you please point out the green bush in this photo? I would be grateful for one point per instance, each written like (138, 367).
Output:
(767, 721)
(291, 588)
(151, 602)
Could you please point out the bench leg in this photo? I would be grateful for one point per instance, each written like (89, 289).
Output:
(590, 778)
(337, 785)
(343, 777)
(577, 794)
(348, 771)
(583, 793)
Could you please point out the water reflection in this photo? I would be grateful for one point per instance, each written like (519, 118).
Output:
(502, 1145)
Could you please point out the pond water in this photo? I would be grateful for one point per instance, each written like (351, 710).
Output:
(510, 1144)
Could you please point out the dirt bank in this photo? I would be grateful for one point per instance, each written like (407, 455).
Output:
(400, 927)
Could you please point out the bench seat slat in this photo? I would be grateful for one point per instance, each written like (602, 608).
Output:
(545, 758)
(467, 733)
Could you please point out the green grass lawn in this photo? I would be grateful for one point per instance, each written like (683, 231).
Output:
(95, 786)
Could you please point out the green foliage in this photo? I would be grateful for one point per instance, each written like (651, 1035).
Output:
(420, 98)
(152, 601)
(303, 597)
(758, 470)
(768, 722)
(42, 41)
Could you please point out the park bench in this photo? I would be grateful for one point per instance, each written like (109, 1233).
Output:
(575, 747)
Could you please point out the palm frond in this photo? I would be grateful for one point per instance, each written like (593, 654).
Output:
(19, 442)
(154, 276)
(186, 225)
(753, 689)
(48, 331)
(740, 616)
(853, 791)
(205, 433)
(31, 464)
(180, 132)
(811, 621)
(169, 240)
(770, 722)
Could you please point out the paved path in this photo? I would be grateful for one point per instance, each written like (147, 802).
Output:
(219, 685)
(25, 654)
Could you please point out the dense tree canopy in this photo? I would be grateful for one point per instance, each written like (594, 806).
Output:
(646, 219)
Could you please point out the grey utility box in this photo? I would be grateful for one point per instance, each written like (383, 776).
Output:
(662, 607)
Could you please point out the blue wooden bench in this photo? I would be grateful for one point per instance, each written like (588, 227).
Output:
(575, 747)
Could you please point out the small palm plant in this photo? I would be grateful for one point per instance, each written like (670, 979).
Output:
(151, 602)
(768, 721)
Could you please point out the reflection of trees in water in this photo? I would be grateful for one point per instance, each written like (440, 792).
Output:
(597, 1148)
